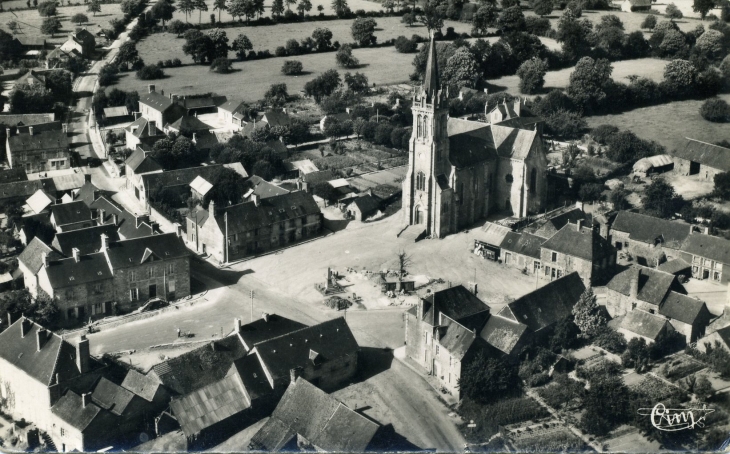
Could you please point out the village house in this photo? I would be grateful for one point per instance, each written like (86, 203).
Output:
(58, 56)
(142, 133)
(640, 324)
(716, 339)
(521, 251)
(270, 118)
(39, 151)
(577, 248)
(195, 105)
(71, 216)
(702, 159)
(119, 278)
(297, 169)
(363, 206)
(709, 257)
(308, 418)
(141, 162)
(159, 108)
(15, 121)
(233, 113)
(533, 316)
(30, 262)
(647, 238)
(515, 115)
(488, 240)
(61, 187)
(340, 117)
(116, 115)
(31, 46)
(80, 41)
(86, 240)
(253, 227)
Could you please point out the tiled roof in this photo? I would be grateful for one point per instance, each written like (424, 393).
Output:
(683, 308)
(22, 352)
(129, 253)
(86, 240)
(44, 140)
(456, 303)
(269, 328)
(142, 385)
(707, 246)
(32, 255)
(247, 216)
(586, 243)
(706, 154)
(68, 272)
(111, 396)
(523, 243)
(647, 229)
(331, 340)
(643, 324)
(70, 213)
(210, 405)
(653, 284)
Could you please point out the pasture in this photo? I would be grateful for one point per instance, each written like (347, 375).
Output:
(652, 68)
(252, 78)
(668, 124)
(30, 20)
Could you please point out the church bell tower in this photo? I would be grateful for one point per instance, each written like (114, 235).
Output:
(428, 161)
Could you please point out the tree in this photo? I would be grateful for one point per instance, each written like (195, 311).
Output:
(532, 75)
(511, 19)
(94, 6)
(703, 7)
(590, 192)
(605, 404)
(404, 262)
(187, 7)
(60, 83)
(50, 26)
(574, 35)
(221, 65)
(322, 86)
(660, 199)
(340, 7)
(363, 30)
(357, 82)
(277, 8)
(405, 45)
(565, 123)
(462, 69)
(679, 77)
(619, 198)
(389, 5)
(163, 10)
(711, 44)
(408, 19)
(241, 45)
(276, 95)
(484, 18)
(177, 27)
(716, 110)
(220, 5)
(219, 40)
(47, 9)
(486, 379)
(589, 81)
(542, 7)
(673, 12)
(198, 45)
(325, 191)
(13, 26)
(320, 9)
(127, 54)
(79, 18)
(150, 72)
(432, 16)
(649, 22)
(304, 6)
(322, 38)
(345, 58)
(292, 67)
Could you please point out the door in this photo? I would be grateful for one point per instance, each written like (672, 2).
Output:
(507, 258)
(705, 274)
(153, 290)
(436, 368)
(694, 168)
(171, 289)
(419, 216)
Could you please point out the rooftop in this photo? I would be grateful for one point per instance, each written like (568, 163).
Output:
(651, 230)
(584, 243)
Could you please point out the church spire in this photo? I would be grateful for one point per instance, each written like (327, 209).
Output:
(431, 79)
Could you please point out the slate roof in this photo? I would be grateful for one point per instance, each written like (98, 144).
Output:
(455, 339)
(456, 303)
(139, 128)
(111, 396)
(647, 229)
(127, 225)
(70, 409)
(12, 175)
(198, 102)
(252, 376)
(320, 176)
(305, 166)
(683, 308)
(264, 329)
(322, 420)
(32, 255)
(44, 140)
(643, 324)
(331, 339)
(546, 305)
(119, 111)
(64, 182)
(706, 154)
(276, 118)
(232, 106)
(257, 185)
(653, 284)
(549, 226)
(472, 142)
(156, 100)
(141, 162)
(247, 216)
(367, 204)
(210, 405)
(142, 385)
(523, 243)
(492, 234)
(586, 244)
(707, 246)
(182, 176)
(68, 272)
(70, 213)
(18, 189)
(503, 334)
(39, 201)
(86, 240)
(129, 253)
(674, 266)
(9, 120)
(189, 123)
(56, 355)
(26, 40)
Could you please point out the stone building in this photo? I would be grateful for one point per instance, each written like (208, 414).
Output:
(460, 171)
(648, 239)
(522, 251)
(158, 108)
(577, 248)
(709, 257)
(30, 262)
(39, 151)
(81, 41)
(702, 159)
(640, 324)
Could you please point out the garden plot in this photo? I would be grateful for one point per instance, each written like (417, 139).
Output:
(542, 436)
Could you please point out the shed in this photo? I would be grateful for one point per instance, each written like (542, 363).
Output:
(200, 187)
(119, 114)
(363, 207)
(488, 239)
(39, 201)
(654, 164)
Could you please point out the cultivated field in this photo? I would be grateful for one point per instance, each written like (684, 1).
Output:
(30, 21)
(668, 124)
(381, 66)
(653, 68)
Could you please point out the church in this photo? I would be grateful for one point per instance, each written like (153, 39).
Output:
(461, 171)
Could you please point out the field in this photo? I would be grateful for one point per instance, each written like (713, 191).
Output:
(381, 66)
(30, 21)
(653, 68)
(668, 124)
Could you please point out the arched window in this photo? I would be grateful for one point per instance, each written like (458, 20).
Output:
(425, 126)
(421, 181)
(420, 133)
(533, 181)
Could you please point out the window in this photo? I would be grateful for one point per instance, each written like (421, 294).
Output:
(418, 122)
(437, 350)
(171, 286)
(716, 276)
(553, 256)
(508, 178)
(70, 294)
(134, 294)
(97, 308)
(170, 268)
(151, 272)
(97, 288)
(421, 181)
(63, 432)
(451, 361)
(425, 126)
(132, 276)
(533, 181)
(560, 274)
(547, 271)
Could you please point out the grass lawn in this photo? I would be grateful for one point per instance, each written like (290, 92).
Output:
(668, 124)
(653, 68)
(253, 78)
(30, 21)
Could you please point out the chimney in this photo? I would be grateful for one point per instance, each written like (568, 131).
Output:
(293, 374)
(87, 178)
(25, 326)
(162, 92)
(102, 212)
(486, 91)
(58, 378)
(44, 259)
(256, 199)
(82, 354)
(284, 110)
(212, 345)
(10, 316)
(691, 229)
(96, 194)
(151, 88)
(237, 324)
(265, 316)
(41, 336)
(136, 115)
(64, 127)
(30, 130)
(706, 231)
(473, 287)
(104, 242)
(579, 224)
(115, 219)
(7, 132)
(75, 252)
(170, 96)
(152, 128)
(195, 137)
(211, 207)
(85, 399)
(634, 285)
(579, 205)
(174, 98)
(518, 106)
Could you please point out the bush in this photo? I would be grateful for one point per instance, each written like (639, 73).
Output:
(649, 22)
(715, 110)
(150, 72)
(532, 75)
(539, 26)
(405, 45)
(47, 8)
(673, 12)
(292, 67)
(221, 65)
(603, 132)
(611, 340)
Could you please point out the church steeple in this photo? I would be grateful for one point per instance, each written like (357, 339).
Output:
(431, 79)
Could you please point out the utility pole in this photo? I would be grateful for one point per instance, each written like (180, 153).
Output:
(252, 295)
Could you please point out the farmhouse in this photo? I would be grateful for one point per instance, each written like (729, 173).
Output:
(15, 121)
(553, 221)
(709, 256)
(81, 42)
(270, 118)
(71, 216)
(647, 238)
(363, 207)
(460, 171)
(702, 159)
(297, 169)
(158, 108)
(58, 56)
(39, 151)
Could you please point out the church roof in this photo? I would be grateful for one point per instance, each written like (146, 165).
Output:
(431, 79)
(472, 142)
